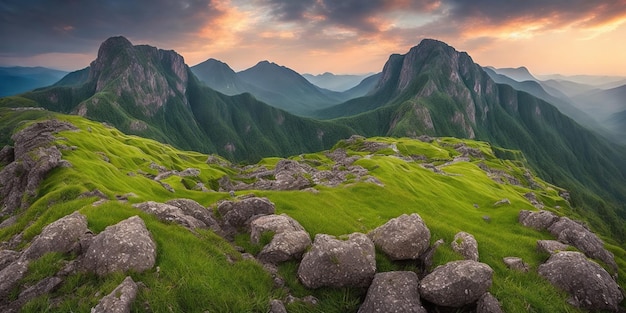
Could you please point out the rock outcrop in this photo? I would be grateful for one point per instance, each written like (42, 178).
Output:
(62, 236)
(333, 262)
(589, 285)
(465, 244)
(539, 220)
(457, 283)
(122, 247)
(170, 213)
(197, 211)
(119, 300)
(402, 238)
(393, 292)
(34, 156)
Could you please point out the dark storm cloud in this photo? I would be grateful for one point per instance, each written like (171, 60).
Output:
(30, 27)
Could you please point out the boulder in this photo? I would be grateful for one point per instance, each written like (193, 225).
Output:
(589, 285)
(10, 277)
(7, 257)
(551, 246)
(393, 292)
(290, 175)
(7, 155)
(575, 234)
(273, 223)
(539, 220)
(170, 213)
(61, 236)
(277, 306)
(122, 247)
(285, 246)
(239, 213)
(34, 156)
(333, 262)
(119, 300)
(488, 304)
(457, 283)
(44, 286)
(402, 238)
(516, 263)
(197, 211)
(465, 244)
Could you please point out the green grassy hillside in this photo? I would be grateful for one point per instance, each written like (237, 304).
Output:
(194, 273)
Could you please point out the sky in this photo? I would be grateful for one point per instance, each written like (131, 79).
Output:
(314, 36)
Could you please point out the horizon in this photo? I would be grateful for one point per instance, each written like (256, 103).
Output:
(562, 37)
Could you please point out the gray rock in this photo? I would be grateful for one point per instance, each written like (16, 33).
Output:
(575, 234)
(502, 202)
(128, 245)
(197, 211)
(277, 306)
(273, 223)
(516, 263)
(426, 258)
(589, 285)
(402, 238)
(285, 246)
(465, 244)
(551, 246)
(7, 257)
(457, 283)
(170, 213)
(393, 292)
(539, 220)
(7, 155)
(61, 236)
(238, 214)
(10, 277)
(119, 300)
(44, 286)
(333, 262)
(532, 198)
(290, 175)
(488, 304)
(34, 156)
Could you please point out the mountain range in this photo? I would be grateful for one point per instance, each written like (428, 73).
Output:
(334, 82)
(18, 79)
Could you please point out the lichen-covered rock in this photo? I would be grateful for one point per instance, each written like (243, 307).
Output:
(122, 247)
(273, 223)
(170, 213)
(60, 236)
(402, 238)
(488, 304)
(119, 300)
(285, 246)
(539, 220)
(551, 246)
(238, 213)
(465, 244)
(589, 285)
(570, 232)
(197, 211)
(333, 262)
(457, 283)
(10, 277)
(277, 306)
(393, 292)
(516, 263)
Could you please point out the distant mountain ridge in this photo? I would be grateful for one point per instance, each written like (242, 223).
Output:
(335, 82)
(17, 79)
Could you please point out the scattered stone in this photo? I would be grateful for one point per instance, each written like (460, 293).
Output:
(277, 306)
(125, 246)
(487, 219)
(551, 246)
(238, 214)
(589, 285)
(120, 299)
(530, 196)
(273, 223)
(488, 304)
(516, 263)
(333, 262)
(290, 175)
(570, 232)
(94, 193)
(402, 238)
(457, 283)
(465, 244)
(502, 202)
(539, 220)
(170, 213)
(393, 292)
(167, 187)
(285, 246)
(59, 236)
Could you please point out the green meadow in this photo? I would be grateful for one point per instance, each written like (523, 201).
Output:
(200, 271)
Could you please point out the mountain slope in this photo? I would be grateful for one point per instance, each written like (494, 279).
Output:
(16, 80)
(150, 92)
(112, 171)
(219, 76)
(519, 74)
(334, 82)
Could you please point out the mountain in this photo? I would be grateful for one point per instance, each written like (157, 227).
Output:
(334, 82)
(219, 76)
(151, 92)
(601, 104)
(73, 241)
(519, 74)
(597, 81)
(15, 80)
